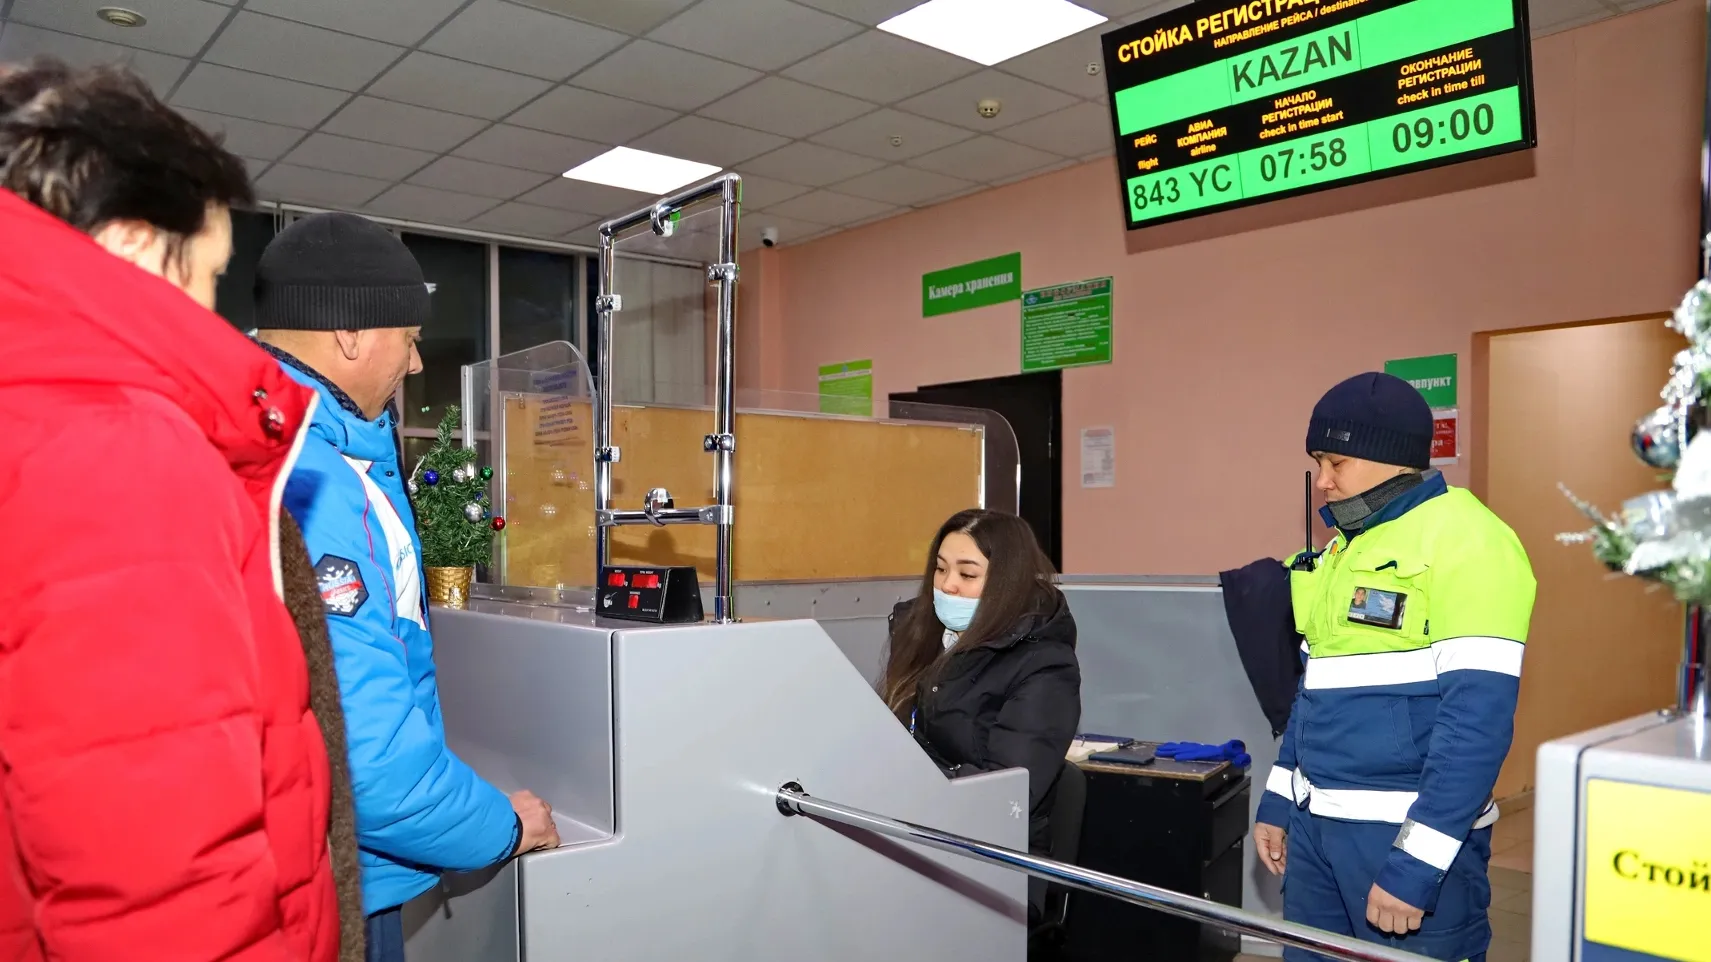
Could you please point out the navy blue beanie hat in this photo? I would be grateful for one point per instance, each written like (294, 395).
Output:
(1374, 417)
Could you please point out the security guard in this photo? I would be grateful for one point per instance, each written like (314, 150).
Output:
(1379, 811)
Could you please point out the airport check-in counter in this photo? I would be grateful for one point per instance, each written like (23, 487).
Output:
(661, 750)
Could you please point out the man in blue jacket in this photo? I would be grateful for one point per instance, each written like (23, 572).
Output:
(340, 302)
(1379, 811)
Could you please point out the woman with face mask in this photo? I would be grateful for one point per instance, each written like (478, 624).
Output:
(982, 664)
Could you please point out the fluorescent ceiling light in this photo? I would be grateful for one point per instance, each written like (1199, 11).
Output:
(639, 170)
(991, 31)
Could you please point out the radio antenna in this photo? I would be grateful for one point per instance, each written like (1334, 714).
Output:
(1307, 508)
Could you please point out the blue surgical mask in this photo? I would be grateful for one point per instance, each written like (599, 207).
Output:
(955, 612)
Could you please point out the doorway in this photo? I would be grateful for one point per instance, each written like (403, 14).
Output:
(1560, 404)
(1033, 404)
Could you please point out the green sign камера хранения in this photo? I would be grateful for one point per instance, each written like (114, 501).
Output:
(1067, 326)
(967, 286)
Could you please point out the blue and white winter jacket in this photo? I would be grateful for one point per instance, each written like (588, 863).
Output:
(1415, 634)
(419, 809)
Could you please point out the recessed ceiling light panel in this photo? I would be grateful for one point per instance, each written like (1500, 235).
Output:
(640, 170)
(991, 31)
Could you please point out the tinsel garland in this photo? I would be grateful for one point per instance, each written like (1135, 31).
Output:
(1665, 535)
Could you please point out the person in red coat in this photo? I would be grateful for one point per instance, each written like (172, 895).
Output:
(164, 784)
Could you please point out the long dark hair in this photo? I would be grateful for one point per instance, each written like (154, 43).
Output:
(1018, 583)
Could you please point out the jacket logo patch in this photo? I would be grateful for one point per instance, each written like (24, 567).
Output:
(340, 583)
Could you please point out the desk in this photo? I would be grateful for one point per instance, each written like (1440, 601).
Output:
(1177, 825)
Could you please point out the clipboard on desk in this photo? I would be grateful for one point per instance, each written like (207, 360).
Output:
(1133, 755)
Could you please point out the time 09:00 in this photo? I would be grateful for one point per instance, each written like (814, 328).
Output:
(1462, 124)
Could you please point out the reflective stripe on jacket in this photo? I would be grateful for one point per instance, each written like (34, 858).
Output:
(1408, 724)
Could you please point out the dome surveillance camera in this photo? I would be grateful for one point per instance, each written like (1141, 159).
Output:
(769, 237)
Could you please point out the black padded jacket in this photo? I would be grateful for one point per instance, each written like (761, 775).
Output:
(1013, 702)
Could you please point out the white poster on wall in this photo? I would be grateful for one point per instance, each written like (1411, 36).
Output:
(1098, 458)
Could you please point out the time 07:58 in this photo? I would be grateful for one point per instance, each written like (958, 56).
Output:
(1317, 157)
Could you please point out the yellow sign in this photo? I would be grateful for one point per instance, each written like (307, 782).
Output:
(1648, 869)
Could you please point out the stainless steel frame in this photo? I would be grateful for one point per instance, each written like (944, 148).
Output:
(792, 800)
(722, 443)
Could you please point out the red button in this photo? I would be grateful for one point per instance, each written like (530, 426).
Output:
(615, 579)
(635, 600)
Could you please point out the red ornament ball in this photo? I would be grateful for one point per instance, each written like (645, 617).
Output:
(498, 524)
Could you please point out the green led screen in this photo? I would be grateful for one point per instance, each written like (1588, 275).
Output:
(1223, 104)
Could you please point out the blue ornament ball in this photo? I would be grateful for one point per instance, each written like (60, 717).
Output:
(432, 477)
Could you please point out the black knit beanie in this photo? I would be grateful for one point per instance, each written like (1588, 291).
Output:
(1374, 417)
(338, 272)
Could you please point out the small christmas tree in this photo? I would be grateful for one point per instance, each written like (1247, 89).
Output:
(449, 493)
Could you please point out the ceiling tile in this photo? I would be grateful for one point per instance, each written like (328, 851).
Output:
(527, 219)
(246, 138)
(235, 93)
(985, 158)
(522, 39)
(588, 235)
(1116, 9)
(790, 230)
(178, 27)
(403, 125)
(1078, 130)
(903, 185)
(427, 205)
(709, 141)
(1063, 65)
(1031, 174)
(871, 135)
(955, 102)
(317, 188)
(426, 80)
(347, 156)
(786, 107)
(761, 192)
(475, 177)
(870, 12)
(402, 22)
(20, 42)
(528, 149)
(826, 207)
(634, 17)
(574, 112)
(665, 76)
(594, 200)
(880, 67)
(254, 166)
(810, 165)
(765, 34)
(1550, 16)
(295, 51)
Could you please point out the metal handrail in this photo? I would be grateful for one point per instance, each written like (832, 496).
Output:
(792, 800)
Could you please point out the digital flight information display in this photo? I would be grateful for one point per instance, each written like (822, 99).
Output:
(1222, 104)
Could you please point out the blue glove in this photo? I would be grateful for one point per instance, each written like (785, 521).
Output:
(1231, 751)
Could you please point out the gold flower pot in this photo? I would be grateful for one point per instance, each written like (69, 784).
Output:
(449, 587)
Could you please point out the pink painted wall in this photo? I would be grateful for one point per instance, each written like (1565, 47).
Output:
(1228, 328)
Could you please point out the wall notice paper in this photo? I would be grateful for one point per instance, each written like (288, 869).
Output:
(1445, 444)
(968, 286)
(1098, 458)
(1067, 326)
(847, 388)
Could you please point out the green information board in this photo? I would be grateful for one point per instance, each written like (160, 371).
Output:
(847, 388)
(967, 286)
(1434, 377)
(1226, 103)
(1067, 326)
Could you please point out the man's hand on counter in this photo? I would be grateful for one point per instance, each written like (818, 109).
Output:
(536, 816)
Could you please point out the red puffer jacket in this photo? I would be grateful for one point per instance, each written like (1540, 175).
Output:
(163, 783)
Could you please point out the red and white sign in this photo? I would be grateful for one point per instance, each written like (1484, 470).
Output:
(1445, 444)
